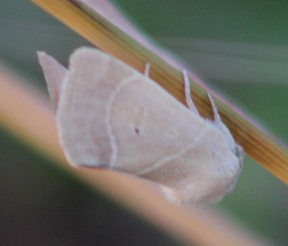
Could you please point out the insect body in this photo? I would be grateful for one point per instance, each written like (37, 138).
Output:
(111, 116)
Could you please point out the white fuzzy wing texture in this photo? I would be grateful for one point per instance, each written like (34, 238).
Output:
(111, 116)
(54, 74)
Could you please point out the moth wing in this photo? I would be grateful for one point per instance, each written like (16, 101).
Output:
(114, 117)
(54, 74)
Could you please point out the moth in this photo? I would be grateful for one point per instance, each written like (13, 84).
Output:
(111, 116)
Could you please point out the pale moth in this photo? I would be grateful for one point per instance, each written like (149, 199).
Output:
(111, 116)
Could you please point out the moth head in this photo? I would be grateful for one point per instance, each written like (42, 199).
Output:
(221, 176)
(236, 149)
(239, 152)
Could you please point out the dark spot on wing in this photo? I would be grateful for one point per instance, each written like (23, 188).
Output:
(136, 130)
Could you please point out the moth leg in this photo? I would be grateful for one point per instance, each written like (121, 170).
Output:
(187, 90)
(147, 69)
(215, 110)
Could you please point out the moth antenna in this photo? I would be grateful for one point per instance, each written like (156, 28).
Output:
(147, 70)
(214, 108)
(187, 90)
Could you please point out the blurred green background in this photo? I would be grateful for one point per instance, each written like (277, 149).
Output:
(238, 47)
